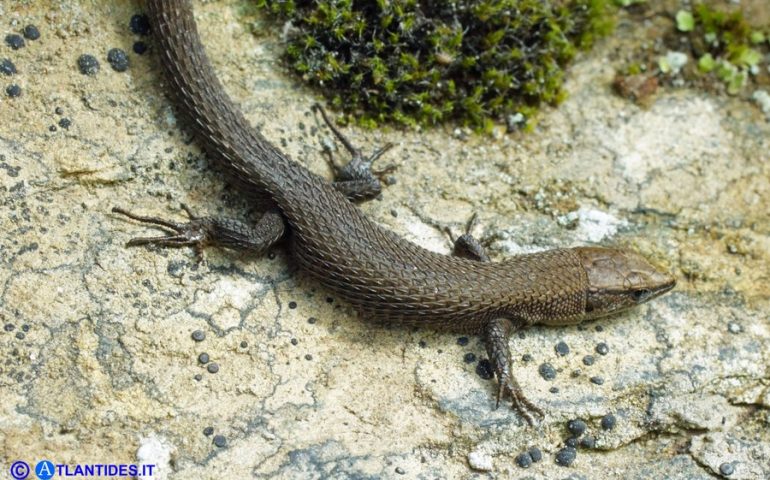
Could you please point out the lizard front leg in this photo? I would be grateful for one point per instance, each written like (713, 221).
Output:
(496, 335)
(466, 245)
(497, 332)
(200, 232)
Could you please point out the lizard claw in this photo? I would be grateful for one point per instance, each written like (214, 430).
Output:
(500, 390)
(382, 173)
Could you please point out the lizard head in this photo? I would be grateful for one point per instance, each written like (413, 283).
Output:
(619, 280)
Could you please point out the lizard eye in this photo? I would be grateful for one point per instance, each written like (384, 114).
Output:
(640, 295)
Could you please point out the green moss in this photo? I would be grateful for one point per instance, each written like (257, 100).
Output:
(757, 37)
(684, 21)
(708, 47)
(416, 63)
(731, 47)
(706, 63)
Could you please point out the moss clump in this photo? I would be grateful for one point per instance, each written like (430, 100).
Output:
(426, 62)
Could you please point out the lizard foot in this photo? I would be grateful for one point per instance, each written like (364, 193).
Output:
(466, 245)
(356, 179)
(508, 385)
(496, 336)
(194, 233)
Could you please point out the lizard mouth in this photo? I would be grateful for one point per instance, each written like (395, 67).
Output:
(665, 286)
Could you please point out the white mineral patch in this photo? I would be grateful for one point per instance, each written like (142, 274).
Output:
(595, 225)
(156, 451)
(480, 461)
(762, 99)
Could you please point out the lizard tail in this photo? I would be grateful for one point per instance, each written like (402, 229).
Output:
(217, 121)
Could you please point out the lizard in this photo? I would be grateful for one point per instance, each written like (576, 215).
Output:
(386, 277)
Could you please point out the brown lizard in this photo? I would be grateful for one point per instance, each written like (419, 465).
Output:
(386, 277)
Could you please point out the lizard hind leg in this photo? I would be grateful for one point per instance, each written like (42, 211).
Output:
(356, 179)
(496, 335)
(200, 232)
